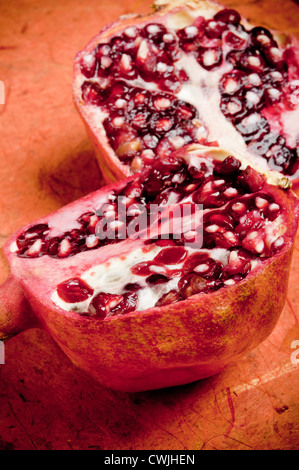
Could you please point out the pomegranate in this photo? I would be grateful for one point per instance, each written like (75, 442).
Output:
(162, 278)
(193, 72)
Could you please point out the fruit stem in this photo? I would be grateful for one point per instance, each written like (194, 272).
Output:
(15, 311)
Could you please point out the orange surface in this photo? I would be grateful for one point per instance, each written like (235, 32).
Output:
(47, 161)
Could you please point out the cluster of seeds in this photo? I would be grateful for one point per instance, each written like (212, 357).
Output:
(148, 52)
(237, 193)
(144, 125)
(239, 219)
(258, 81)
(147, 121)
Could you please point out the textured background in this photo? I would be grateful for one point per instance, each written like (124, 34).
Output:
(46, 161)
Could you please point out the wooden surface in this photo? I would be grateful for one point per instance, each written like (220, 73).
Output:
(46, 161)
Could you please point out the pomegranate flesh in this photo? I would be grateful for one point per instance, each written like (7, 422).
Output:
(164, 277)
(197, 73)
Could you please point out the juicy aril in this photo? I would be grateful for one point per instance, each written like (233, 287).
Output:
(192, 72)
(160, 279)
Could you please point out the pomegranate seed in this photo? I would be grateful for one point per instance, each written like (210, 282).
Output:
(209, 57)
(173, 255)
(159, 124)
(154, 31)
(36, 249)
(84, 219)
(169, 298)
(230, 166)
(185, 111)
(201, 268)
(92, 241)
(88, 65)
(27, 238)
(156, 279)
(232, 82)
(235, 41)
(261, 203)
(146, 268)
(190, 32)
(199, 259)
(239, 207)
(92, 93)
(274, 207)
(228, 15)
(251, 180)
(132, 286)
(191, 284)
(74, 290)
(212, 228)
(229, 282)
(278, 243)
(272, 96)
(230, 193)
(259, 34)
(161, 103)
(171, 83)
(214, 29)
(102, 304)
(254, 80)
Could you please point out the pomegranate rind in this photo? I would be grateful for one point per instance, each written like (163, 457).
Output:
(166, 346)
(183, 12)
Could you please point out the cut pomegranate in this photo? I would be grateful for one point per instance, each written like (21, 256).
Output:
(185, 290)
(146, 87)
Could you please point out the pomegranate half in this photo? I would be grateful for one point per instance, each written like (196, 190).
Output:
(191, 72)
(162, 278)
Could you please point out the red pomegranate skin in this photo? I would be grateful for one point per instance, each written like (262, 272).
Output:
(162, 346)
(111, 166)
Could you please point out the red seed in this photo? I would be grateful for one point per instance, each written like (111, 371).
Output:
(169, 298)
(172, 255)
(191, 284)
(74, 290)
